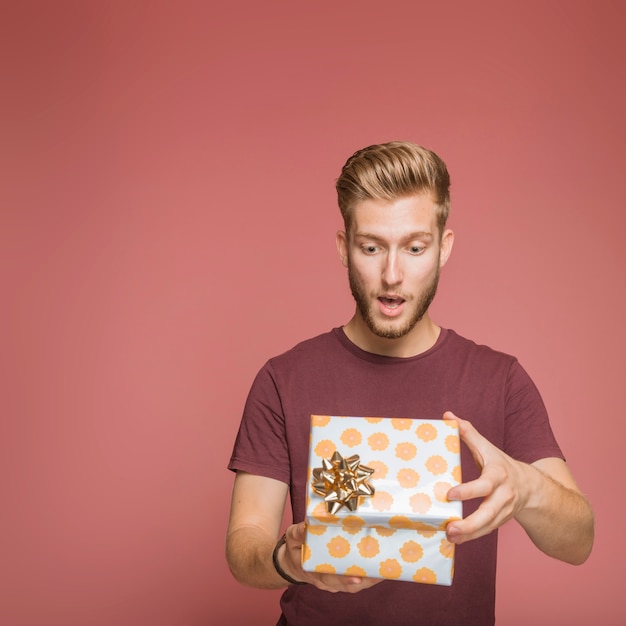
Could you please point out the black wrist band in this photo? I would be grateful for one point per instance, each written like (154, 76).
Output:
(279, 569)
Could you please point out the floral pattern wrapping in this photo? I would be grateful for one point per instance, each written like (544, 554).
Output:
(398, 533)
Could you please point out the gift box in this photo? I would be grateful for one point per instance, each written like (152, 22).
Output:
(377, 497)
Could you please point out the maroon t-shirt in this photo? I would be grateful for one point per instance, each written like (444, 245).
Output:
(329, 375)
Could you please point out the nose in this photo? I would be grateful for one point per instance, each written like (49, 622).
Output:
(392, 272)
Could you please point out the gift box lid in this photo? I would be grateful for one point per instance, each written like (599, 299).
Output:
(383, 472)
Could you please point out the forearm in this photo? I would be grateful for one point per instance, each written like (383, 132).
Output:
(558, 519)
(249, 555)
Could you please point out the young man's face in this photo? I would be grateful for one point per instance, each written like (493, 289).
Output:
(393, 254)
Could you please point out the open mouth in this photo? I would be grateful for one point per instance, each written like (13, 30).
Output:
(391, 305)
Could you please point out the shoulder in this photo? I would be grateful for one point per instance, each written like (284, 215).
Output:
(461, 345)
(476, 362)
(320, 346)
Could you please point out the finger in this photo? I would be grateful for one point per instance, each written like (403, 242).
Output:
(475, 442)
(467, 432)
(483, 521)
(496, 508)
(297, 532)
(347, 584)
(478, 488)
(364, 583)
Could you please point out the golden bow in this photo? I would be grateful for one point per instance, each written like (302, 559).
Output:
(341, 482)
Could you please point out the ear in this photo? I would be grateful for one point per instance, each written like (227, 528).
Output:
(341, 240)
(447, 241)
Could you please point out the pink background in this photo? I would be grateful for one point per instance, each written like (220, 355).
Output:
(168, 221)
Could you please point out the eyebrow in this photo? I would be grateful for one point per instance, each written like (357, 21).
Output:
(420, 234)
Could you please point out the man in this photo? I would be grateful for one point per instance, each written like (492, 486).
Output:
(392, 360)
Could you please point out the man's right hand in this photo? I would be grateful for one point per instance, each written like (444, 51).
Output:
(256, 515)
(289, 557)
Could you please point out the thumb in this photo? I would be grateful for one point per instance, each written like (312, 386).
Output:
(470, 437)
(297, 532)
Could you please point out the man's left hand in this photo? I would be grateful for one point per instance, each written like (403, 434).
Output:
(504, 484)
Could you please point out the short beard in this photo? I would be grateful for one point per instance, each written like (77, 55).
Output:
(424, 300)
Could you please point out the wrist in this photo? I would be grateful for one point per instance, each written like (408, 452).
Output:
(534, 483)
(281, 572)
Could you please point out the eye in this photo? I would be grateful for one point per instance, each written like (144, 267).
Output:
(370, 249)
(415, 249)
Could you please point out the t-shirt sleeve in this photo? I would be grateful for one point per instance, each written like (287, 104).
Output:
(528, 435)
(261, 444)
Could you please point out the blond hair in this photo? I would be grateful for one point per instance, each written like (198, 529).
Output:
(393, 170)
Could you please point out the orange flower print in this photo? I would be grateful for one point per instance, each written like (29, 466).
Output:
(381, 501)
(443, 525)
(456, 473)
(411, 551)
(427, 531)
(378, 441)
(306, 552)
(352, 524)
(400, 522)
(383, 531)
(316, 529)
(325, 568)
(320, 420)
(406, 451)
(451, 424)
(420, 503)
(408, 478)
(355, 570)
(453, 444)
(441, 491)
(436, 465)
(380, 469)
(390, 568)
(425, 575)
(321, 514)
(426, 432)
(373, 420)
(338, 547)
(368, 547)
(446, 548)
(400, 423)
(351, 437)
(325, 448)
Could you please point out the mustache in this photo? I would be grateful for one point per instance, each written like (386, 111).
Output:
(407, 297)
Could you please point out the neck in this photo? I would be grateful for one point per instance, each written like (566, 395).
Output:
(420, 338)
